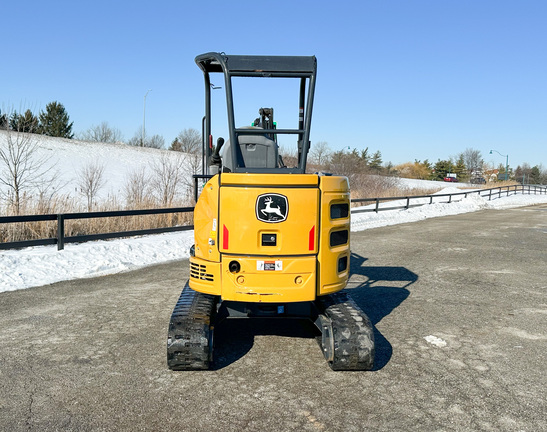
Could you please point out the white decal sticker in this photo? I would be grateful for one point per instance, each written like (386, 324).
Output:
(269, 265)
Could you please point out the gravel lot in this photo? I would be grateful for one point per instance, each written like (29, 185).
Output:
(458, 303)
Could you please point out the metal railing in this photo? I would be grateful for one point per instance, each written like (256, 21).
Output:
(61, 239)
(421, 200)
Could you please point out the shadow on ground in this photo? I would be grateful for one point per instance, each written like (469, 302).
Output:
(234, 338)
(376, 290)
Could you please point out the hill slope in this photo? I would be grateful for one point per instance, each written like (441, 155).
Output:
(68, 158)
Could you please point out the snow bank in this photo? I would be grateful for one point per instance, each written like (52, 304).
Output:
(45, 264)
(459, 204)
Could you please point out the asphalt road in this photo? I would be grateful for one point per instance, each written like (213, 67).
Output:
(90, 354)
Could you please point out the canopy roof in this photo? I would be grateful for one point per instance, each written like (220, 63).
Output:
(262, 65)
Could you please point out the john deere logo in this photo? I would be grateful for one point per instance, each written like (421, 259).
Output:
(272, 208)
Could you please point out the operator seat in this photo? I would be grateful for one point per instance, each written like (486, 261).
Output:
(255, 151)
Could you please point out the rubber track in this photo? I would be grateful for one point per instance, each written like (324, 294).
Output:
(190, 334)
(352, 331)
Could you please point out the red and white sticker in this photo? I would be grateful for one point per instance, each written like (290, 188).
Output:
(269, 265)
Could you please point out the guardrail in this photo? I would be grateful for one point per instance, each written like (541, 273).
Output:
(492, 192)
(61, 239)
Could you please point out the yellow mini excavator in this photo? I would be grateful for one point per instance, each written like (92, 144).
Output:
(270, 240)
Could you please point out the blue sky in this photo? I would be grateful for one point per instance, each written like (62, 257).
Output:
(414, 79)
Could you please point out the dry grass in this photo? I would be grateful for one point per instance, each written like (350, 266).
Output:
(74, 227)
(367, 186)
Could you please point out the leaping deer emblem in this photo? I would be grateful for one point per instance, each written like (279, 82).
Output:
(271, 210)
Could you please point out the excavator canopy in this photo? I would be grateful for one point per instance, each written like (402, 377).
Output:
(256, 149)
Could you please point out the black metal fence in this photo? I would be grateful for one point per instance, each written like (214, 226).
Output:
(420, 200)
(61, 239)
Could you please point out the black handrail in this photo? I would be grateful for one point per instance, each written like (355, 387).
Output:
(61, 239)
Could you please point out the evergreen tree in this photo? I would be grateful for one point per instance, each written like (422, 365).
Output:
(13, 120)
(348, 164)
(522, 173)
(55, 121)
(460, 168)
(4, 121)
(519, 177)
(175, 145)
(364, 155)
(376, 160)
(535, 175)
(27, 122)
(442, 167)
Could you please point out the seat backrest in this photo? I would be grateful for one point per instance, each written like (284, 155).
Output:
(256, 151)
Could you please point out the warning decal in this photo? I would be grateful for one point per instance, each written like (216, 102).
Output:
(269, 265)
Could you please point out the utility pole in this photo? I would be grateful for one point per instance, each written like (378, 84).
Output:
(144, 118)
(506, 163)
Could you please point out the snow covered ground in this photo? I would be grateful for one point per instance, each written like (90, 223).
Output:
(68, 158)
(45, 265)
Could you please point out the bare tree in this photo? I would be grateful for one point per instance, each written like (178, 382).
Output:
(168, 173)
(155, 141)
(319, 153)
(289, 155)
(187, 141)
(90, 181)
(22, 169)
(136, 141)
(192, 165)
(102, 133)
(137, 187)
(472, 160)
